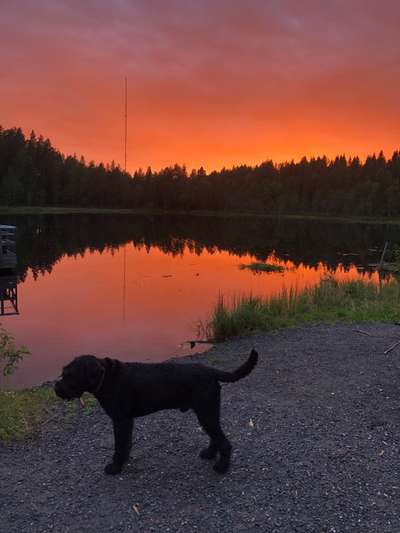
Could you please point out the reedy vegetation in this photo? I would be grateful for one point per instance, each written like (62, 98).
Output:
(329, 301)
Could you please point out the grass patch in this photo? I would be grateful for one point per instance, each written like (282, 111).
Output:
(71, 407)
(329, 301)
(22, 411)
(258, 267)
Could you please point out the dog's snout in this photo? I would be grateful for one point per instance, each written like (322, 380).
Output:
(60, 390)
(57, 388)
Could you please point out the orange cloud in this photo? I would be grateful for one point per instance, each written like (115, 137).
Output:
(209, 84)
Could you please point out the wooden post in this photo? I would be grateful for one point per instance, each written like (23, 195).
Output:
(8, 258)
(381, 264)
(1, 243)
(383, 255)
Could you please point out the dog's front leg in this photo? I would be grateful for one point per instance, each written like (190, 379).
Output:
(123, 444)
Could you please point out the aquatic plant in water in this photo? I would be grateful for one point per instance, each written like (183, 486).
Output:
(258, 267)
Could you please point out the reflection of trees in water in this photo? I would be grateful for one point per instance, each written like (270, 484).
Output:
(44, 239)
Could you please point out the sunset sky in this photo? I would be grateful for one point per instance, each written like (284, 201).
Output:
(211, 83)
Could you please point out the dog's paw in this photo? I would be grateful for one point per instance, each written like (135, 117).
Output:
(221, 467)
(208, 453)
(112, 469)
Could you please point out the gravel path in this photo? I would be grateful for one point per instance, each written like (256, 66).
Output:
(316, 436)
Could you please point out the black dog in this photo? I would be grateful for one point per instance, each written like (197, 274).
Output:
(129, 390)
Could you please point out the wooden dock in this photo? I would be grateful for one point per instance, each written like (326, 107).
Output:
(8, 277)
(8, 295)
(8, 256)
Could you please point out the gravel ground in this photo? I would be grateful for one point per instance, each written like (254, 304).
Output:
(316, 436)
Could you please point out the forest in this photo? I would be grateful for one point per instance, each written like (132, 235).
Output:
(34, 173)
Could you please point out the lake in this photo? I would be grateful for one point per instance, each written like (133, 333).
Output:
(136, 287)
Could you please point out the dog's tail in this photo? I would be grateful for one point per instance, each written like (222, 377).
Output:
(241, 372)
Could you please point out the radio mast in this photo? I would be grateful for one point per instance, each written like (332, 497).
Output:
(126, 118)
(124, 259)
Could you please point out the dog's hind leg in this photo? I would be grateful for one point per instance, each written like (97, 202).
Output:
(207, 410)
(123, 444)
(210, 452)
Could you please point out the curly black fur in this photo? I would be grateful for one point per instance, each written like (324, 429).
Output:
(130, 390)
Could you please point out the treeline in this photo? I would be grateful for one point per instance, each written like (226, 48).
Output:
(32, 172)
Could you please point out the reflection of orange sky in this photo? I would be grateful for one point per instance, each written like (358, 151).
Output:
(210, 83)
(79, 307)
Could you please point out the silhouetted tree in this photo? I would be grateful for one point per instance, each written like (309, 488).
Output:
(33, 172)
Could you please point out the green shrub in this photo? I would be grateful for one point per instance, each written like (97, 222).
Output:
(10, 354)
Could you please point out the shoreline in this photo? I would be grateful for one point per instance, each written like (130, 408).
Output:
(37, 210)
(210, 357)
(39, 401)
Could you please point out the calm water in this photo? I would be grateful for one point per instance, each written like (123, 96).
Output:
(136, 287)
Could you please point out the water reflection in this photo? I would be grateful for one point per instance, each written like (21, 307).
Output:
(8, 295)
(136, 287)
(44, 240)
(8, 278)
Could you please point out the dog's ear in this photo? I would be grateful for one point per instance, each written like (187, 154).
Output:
(109, 362)
(94, 373)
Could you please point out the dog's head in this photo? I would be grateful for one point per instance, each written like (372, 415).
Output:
(84, 374)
